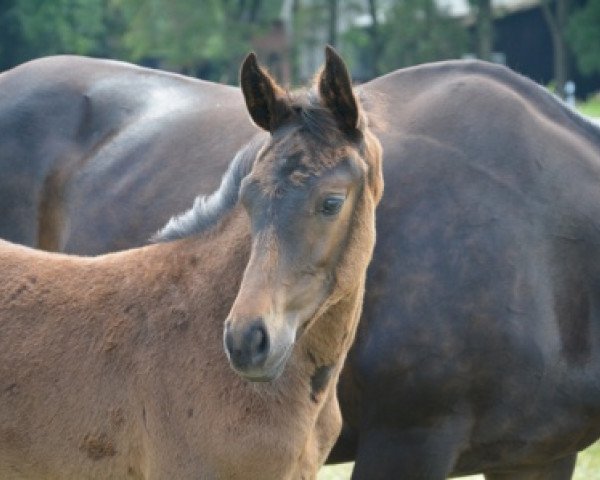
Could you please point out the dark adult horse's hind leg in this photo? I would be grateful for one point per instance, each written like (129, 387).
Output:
(345, 447)
(561, 469)
(380, 459)
(409, 454)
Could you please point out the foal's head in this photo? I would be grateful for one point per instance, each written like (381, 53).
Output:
(311, 197)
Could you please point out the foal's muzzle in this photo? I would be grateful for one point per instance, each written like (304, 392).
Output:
(248, 347)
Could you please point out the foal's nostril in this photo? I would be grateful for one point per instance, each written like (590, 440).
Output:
(257, 342)
(248, 347)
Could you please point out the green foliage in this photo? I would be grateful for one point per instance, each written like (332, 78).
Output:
(10, 46)
(583, 34)
(407, 32)
(591, 108)
(60, 26)
(211, 36)
(312, 31)
(417, 31)
(178, 32)
(34, 28)
(588, 464)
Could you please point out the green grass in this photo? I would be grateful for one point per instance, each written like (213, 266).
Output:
(591, 108)
(588, 468)
(337, 472)
(588, 464)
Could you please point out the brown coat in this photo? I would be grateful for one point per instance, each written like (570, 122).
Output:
(113, 367)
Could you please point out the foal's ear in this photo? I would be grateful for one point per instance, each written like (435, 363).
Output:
(265, 99)
(335, 88)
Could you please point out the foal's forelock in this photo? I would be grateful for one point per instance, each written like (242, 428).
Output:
(208, 210)
(311, 143)
(317, 119)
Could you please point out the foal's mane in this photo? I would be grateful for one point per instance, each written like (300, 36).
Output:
(208, 210)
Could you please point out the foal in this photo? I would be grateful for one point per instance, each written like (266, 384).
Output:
(113, 367)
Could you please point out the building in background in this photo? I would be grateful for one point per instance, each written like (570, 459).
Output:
(521, 37)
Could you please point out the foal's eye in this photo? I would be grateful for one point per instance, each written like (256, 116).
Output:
(332, 205)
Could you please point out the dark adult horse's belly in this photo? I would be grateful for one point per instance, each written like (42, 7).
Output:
(479, 346)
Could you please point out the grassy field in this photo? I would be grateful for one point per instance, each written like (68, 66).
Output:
(591, 108)
(588, 463)
(588, 468)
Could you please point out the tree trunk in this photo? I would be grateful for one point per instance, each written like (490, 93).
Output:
(294, 40)
(557, 22)
(333, 21)
(254, 9)
(484, 29)
(375, 40)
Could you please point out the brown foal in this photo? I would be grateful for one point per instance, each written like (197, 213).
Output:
(113, 367)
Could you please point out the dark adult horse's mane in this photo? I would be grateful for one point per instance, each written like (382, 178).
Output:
(208, 210)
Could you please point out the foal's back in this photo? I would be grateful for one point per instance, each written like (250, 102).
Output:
(95, 354)
(64, 386)
(113, 367)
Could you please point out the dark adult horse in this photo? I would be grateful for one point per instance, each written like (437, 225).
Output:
(479, 345)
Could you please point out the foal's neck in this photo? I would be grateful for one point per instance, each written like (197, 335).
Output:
(324, 346)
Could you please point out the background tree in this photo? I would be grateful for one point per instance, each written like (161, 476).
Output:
(11, 45)
(417, 31)
(315, 23)
(375, 38)
(400, 34)
(208, 39)
(333, 7)
(484, 23)
(556, 15)
(30, 28)
(583, 35)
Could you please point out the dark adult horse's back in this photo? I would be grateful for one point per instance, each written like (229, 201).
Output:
(479, 345)
(96, 155)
